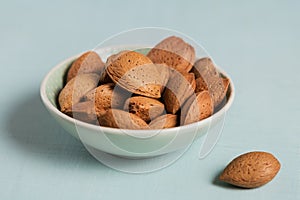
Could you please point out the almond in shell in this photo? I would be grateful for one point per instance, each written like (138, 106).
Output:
(223, 97)
(216, 86)
(208, 78)
(197, 107)
(144, 107)
(179, 88)
(89, 62)
(75, 89)
(251, 170)
(83, 111)
(106, 97)
(121, 119)
(174, 52)
(164, 74)
(205, 67)
(135, 73)
(164, 121)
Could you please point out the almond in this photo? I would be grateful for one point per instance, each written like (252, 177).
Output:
(144, 107)
(75, 89)
(120, 119)
(205, 67)
(251, 170)
(164, 121)
(200, 85)
(208, 78)
(136, 73)
(105, 97)
(226, 83)
(197, 107)
(174, 52)
(164, 74)
(89, 62)
(217, 89)
(222, 97)
(83, 111)
(179, 88)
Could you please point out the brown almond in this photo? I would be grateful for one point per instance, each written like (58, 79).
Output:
(105, 97)
(226, 83)
(200, 85)
(164, 74)
(144, 107)
(179, 88)
(75, 89)
(121, 119)
(251, 170)
(205, 74)
(136, 73)
(217, 90)
(89, 62)
(83, 111)
(196, 108)
(164, 121)
(205, 67)
(208, 78)
(174, 52)
(222, 98)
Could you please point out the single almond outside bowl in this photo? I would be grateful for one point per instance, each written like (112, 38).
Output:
(122, 142)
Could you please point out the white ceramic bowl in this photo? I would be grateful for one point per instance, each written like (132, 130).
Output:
(121, 142)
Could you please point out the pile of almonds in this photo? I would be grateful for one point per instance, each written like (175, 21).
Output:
(163, 89)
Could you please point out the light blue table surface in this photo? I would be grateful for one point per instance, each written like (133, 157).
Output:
(256, 42)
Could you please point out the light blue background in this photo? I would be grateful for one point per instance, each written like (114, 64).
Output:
(256, 42)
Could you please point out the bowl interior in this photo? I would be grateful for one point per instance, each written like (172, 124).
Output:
(55, 81)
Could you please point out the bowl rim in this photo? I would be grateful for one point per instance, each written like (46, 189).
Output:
(118, 131)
